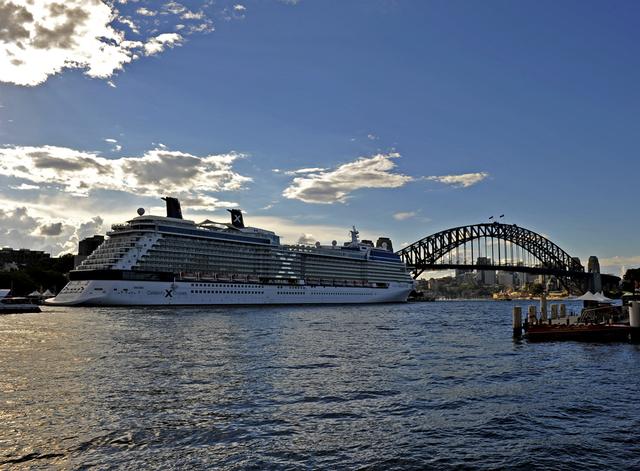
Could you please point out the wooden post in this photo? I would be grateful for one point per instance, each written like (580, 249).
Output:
(554, 311)
(563, 311)
(533, 318)
(543, 308)
(517, 321)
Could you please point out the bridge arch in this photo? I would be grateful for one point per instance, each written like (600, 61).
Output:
(425, 253)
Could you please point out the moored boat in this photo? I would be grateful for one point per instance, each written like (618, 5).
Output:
(167, 260)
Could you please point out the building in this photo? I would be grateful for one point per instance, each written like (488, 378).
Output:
(505, 279)
(22, 257)
(485, 277)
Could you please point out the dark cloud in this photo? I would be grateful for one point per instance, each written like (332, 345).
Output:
(53, 229)
(92, 227)
(62, 36)
(166, 167)
(12, 20)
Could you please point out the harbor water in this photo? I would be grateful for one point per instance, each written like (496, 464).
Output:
(406, 386)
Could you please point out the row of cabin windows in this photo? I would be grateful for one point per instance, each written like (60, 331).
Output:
(201, 291)
(208, 291)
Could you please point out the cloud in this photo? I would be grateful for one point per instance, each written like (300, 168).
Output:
(239, 7)
(146, 12)
(330, 186)
(302, 170)
(53, 229)
(21, 229)
(404, 215)
(42, 38)
(25, 186)
(460, 181)
(89, 228)
(156, 172)
(161, 42)
(306, 239)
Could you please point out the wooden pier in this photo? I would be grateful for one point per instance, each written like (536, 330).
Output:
(603, 323)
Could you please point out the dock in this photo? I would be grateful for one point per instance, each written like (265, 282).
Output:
(602, 323)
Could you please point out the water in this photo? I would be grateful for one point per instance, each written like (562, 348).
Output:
(426, 386)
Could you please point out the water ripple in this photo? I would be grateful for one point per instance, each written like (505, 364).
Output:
(357, 387)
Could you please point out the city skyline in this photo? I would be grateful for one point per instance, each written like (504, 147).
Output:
(403, 118)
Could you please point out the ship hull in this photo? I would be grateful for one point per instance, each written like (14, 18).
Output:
(185, 293)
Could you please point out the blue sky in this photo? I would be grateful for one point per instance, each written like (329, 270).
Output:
(530, 109)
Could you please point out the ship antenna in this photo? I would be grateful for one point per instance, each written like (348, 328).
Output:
(354, 236)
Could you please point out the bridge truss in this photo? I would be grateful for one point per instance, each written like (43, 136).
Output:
(492, 246)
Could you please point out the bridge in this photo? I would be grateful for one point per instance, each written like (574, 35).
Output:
(496, 246)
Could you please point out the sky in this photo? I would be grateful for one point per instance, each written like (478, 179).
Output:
(401, 117)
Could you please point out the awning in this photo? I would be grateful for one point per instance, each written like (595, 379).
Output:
(597, 297)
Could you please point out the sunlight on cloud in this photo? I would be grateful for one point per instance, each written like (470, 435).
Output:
(21, 228)
(404, 215)
(325, 186)
(330, 186)
(42, 38)
(157, 172)
(460, 181)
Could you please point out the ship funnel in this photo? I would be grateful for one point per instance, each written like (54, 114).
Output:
(236, 218)
(173, 207)
(384, 243)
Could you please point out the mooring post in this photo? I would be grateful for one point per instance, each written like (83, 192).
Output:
(563, 311)
(543, 308)
(634, 321)
(517, 321)
(554, 311)
(533, 318)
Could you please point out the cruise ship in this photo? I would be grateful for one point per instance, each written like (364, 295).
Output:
(167, 260)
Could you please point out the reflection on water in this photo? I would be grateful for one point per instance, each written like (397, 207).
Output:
(429, 385)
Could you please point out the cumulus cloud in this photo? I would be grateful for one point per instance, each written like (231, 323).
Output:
(21, 229)
(403, 215)
(42, 38)
(330, 186)
(460, 181)
(161, 42)
(157, 172)
(53, 229)
(146, 12)
(306, 239)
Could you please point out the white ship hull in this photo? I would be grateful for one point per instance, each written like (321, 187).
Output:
(186, 293)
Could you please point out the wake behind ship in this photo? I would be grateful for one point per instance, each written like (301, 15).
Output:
(155, 260)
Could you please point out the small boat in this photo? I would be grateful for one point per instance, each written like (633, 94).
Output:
(16, 305)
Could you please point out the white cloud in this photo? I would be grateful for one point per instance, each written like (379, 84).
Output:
(330, 186)
(239, 7)
(302, 171)
(306, 239)
(372, 137)
(25, 186)
(161, 42)
(156, 172)
(404, 215)
(192, 15)
(42, 38)
(146, 12)
(110, 140)
(460, 181)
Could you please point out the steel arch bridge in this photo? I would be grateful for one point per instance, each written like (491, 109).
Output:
(492, 246)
